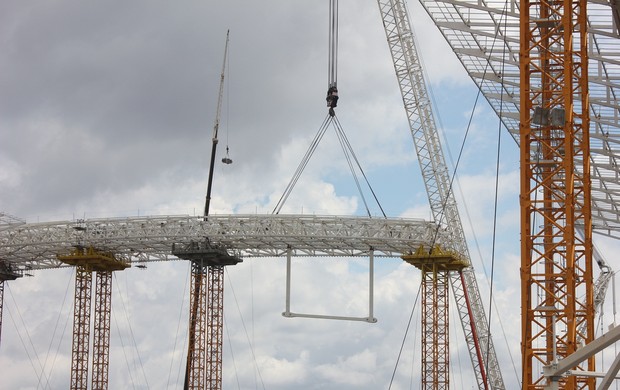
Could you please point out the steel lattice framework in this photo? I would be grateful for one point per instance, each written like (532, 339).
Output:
(410, 76)
(484, 35)
(435, 324)
(215, 326)
(101, 330)
(81, 328)
(556, 262)
(194, 376)
(105, 245)
(142, 239)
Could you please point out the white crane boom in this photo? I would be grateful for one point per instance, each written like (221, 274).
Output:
(438, 186)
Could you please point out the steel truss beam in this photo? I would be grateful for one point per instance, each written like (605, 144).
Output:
(103, 241)
(140, 239)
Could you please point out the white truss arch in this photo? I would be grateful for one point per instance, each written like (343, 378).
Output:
(26, 246)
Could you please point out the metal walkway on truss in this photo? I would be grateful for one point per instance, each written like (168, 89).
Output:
(485, 37)
(33, 246)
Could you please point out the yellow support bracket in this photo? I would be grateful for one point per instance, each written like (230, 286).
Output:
(94, 259)
(436, 258)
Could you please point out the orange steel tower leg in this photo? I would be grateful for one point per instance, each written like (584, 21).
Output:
(436, 265)
(101, 330)
(195, 367)
(435, 349)
(556, 263)
(215, 330)
(81, 328)
(204, 354)
(87, 261)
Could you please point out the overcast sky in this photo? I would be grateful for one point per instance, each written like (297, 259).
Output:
(107, 110)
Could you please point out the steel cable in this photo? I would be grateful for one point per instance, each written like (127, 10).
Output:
(360, 168)
(302, 165)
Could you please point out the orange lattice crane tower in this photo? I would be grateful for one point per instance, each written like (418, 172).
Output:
(556, 262)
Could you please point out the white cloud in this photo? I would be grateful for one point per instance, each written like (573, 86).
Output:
(281, 372)
(355, 370)
(107, 110)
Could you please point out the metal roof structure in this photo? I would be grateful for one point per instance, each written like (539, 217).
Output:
(484, 35)
(32, 246)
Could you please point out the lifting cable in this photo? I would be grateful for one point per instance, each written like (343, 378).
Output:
(495, 206)
(332, 63)
(36, 362)
(502, 21)
(331, 119)
(131, 333)
(402, 344)
(304, 161)
(127, 364)
(451, 187)
(346, 145)
(245, 330)
(176, 335)
(60, 313)
(349, 155)
(232, 352)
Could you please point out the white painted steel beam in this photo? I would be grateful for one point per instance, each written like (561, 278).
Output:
(27, 246)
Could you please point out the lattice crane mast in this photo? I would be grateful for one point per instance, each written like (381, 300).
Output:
(435, 274)
(556, 261)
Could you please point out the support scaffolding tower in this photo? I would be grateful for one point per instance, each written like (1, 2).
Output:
(87, 261)
(435, 264)
(206, 322)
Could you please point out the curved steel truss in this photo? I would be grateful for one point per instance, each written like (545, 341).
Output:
(139, 239)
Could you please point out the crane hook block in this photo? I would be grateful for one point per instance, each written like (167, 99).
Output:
(227, 160)
(332, 97)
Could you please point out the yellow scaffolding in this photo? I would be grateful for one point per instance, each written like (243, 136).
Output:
(86, 260)
(436, 265)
